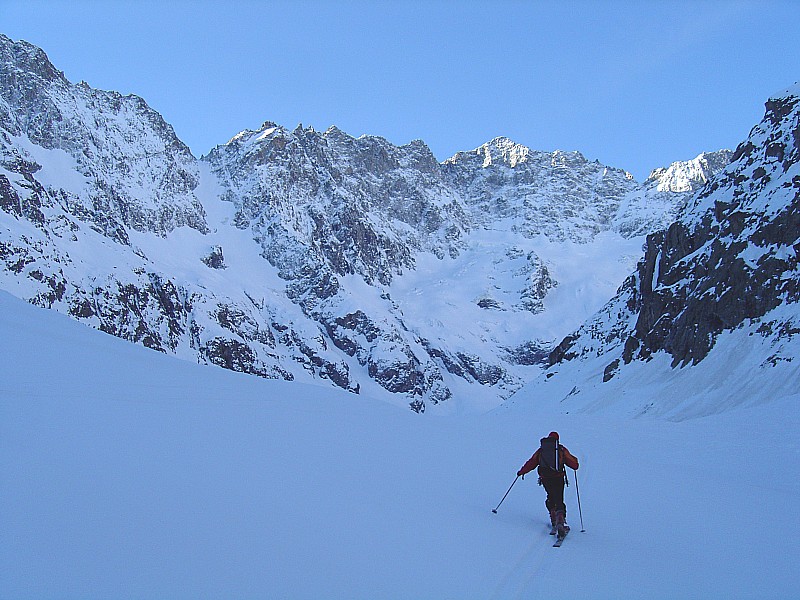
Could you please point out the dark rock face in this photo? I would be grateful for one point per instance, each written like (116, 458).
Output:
(739, 268)
(731, 258)
(539, 284)
(214, 259)
(238, 356)
(528, 353)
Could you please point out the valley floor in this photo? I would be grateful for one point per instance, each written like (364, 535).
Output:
(125, 473)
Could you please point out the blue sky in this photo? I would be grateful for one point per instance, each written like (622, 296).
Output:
(635, 85)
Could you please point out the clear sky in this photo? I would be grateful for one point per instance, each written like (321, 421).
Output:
(636, 84)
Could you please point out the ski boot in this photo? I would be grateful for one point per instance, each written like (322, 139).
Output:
(553, 523)
(562, 529)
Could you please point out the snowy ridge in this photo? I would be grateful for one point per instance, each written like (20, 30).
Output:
(317, 190)
(500, 151)
(309, 256)
(751, 366)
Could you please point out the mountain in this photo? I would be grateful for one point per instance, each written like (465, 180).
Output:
(719, 286)
(366, 267)
(312, 256)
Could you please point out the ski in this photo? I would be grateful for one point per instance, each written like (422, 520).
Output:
(559, 539)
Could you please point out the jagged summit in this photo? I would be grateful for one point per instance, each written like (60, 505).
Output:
(788, 92)
(502, 151)
(688, 176)
(137, 174)
(23, 57)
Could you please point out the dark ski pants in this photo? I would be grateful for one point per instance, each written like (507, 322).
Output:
(554, 486)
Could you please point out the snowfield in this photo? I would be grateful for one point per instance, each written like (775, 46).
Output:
(127, 473)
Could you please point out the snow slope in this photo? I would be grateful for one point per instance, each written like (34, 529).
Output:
(128, 473)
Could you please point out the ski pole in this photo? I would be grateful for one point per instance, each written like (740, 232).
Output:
(578, 491)
(494, 510)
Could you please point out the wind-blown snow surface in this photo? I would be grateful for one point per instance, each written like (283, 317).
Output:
(127, 473)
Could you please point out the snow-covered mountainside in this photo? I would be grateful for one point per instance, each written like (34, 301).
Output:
(312, 256)
(128, 169)
(722, 283)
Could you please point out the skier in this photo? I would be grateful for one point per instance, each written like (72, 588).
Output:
(550, 459)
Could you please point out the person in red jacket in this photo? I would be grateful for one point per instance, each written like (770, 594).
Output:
(553, 482)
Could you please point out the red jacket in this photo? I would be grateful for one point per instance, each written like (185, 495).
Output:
(533, 461)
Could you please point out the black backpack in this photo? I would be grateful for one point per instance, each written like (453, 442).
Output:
(550, 464)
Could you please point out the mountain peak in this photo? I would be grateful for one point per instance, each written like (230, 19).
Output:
(725, 269)
(791, 91)
(25, 56)
(688, 175)
(334, 131)
(318, 255)
(499, 151)
(504, 151)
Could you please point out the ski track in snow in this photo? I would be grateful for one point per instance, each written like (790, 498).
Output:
(525, 572)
